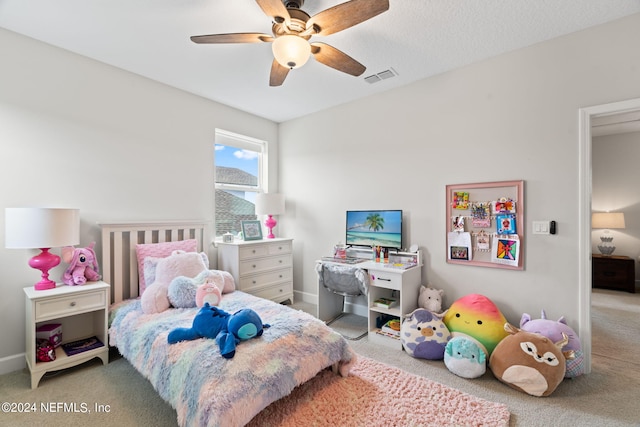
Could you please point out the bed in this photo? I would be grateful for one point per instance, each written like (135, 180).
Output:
(204, 388)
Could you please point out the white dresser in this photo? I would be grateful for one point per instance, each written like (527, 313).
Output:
(260, 267)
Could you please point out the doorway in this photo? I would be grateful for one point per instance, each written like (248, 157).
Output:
(586, 115)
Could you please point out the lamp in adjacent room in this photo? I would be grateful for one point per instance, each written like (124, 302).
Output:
(270, 204)
(607, 221)
(42, 228)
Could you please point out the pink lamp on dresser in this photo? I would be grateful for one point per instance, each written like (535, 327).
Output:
(42, 228)
(270, 204)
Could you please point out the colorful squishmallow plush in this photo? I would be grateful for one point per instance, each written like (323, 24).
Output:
(478, 317)
(464, 357)
(424, 335)
(554, 330)
(529, 362)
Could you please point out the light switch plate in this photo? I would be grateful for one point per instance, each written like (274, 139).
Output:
(541, 227)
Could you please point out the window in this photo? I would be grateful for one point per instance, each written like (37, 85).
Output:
(240, 171)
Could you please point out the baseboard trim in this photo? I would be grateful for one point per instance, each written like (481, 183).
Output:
(305, 297)
(12, 363)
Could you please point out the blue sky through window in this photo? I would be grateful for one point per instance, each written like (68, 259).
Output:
(233, 157)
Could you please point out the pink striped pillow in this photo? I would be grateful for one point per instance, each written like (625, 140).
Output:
(159, 250)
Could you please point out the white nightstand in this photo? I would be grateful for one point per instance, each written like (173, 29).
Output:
(81, 310)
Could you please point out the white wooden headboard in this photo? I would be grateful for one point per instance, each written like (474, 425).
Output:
(119, 263)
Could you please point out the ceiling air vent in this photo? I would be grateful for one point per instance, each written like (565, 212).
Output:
(382, 75)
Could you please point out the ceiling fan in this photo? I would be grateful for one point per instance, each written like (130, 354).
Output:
(292, 28)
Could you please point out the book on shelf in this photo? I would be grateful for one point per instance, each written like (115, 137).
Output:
(387, 334)
(392, 327)
(385, 302)
(81, 346)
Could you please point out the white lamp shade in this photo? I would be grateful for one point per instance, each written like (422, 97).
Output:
(607, 220)
(291, 51)
(269, 204)
(27, 228)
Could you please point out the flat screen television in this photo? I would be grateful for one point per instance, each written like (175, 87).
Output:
(374, 228)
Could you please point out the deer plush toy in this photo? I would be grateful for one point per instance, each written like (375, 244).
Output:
(83, 265)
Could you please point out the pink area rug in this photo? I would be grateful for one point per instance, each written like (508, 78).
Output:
(375, 394)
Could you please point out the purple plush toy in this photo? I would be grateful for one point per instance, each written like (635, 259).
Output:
(424, 335)
(554, 330)
(83, 265)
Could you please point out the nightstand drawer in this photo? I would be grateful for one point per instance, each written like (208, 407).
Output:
(63, 306)
(264, 264)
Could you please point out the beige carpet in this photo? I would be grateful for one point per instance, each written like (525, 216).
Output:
(609, 396)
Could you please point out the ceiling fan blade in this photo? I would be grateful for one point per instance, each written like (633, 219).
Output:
(346, 15)
(233, 38)
(278, 74)
(332, 57)
(276, 10)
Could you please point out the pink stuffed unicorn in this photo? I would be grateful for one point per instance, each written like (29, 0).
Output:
(83, 265)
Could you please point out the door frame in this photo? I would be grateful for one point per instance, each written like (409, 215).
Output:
(585, 115)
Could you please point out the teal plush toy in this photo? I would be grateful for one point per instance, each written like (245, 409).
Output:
(227, 329)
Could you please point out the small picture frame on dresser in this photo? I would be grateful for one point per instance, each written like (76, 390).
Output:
(251, 230)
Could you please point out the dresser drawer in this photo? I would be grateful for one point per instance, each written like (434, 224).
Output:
(384, 279)
(63, 306)
(250, 282)
(264, 264)
(269, 249)
(279, 248)
(611, 272)
(278, 293)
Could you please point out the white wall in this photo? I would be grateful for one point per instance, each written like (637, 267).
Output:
(78, 133)
(508, 118)
(615, 188)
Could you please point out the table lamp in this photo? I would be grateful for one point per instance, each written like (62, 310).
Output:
(270, 204)
(42, 228)
(607, 221)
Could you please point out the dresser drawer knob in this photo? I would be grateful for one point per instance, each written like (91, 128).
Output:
(73, 304)
(280, 261)
(280, 276)
(254, 251)
(254, 282)
(253, 266)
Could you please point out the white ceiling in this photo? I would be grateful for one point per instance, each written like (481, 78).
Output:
(415, 38)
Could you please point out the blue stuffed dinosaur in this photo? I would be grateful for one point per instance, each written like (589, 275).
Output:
(227, 329)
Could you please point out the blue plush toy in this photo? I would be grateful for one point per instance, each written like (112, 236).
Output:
(464, 357)
(227, 329)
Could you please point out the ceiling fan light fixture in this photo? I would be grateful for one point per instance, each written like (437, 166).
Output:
(291, 51)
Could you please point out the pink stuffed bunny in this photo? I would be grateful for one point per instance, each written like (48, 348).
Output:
(83, 265)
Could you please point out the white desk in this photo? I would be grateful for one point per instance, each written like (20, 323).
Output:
(383, 281)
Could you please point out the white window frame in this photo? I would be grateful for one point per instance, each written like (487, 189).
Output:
(227, 138)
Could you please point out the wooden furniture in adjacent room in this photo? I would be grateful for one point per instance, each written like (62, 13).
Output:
(263, 268)
(613, 272)
(82, 311)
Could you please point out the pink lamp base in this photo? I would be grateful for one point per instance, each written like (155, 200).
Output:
(44, 262)
(270, 223)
